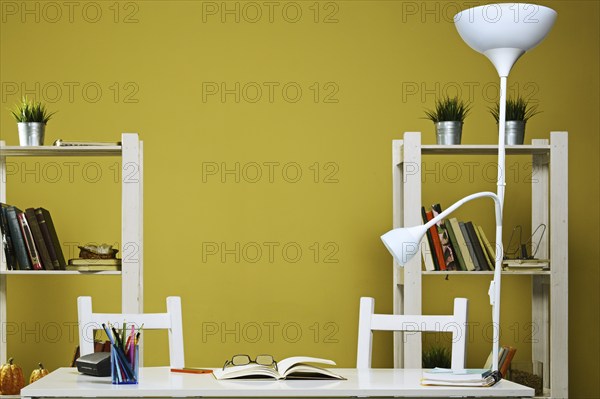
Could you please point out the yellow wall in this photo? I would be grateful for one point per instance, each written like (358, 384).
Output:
(366, 71)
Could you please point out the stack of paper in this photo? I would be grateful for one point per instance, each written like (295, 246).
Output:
(465, 377)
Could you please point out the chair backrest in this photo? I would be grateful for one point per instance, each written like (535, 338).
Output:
(172, 321)
(369, 322)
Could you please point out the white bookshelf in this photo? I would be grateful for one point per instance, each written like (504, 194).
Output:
(131, 153)
(549, 206)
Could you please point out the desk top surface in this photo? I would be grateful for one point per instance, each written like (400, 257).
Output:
(159, 381)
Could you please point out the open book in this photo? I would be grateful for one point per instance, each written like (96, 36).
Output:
(290, 368)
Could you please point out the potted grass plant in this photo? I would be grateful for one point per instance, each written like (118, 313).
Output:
(436, 356)
(32, 118)
(448, 116)
(518, 112)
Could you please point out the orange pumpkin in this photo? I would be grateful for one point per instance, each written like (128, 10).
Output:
(11, 378)
(38, 373)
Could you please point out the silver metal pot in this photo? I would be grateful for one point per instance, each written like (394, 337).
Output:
(31, 133)
(448, 132)
(514, 133)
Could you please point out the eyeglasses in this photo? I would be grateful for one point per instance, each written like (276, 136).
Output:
(242, 360)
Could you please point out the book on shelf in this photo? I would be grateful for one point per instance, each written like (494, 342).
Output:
(297, 367)
(50, 238)
(94, 268)
(505, 356)
(38, 240)
(427, 255)
(447, 249)
(457, 251)
(9, 251)
(465, 377)
(32, 252)
(491, 251)
(14, 226)
(489, 258)
(469, 265)
(94, 262)
(477, 248)
(510, 353)
(436, 266)
(526, 264)
(467, 238)
(438, 252)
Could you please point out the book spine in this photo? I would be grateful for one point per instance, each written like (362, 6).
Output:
(467, 238)
(507, 360)
(9, 251)
(430, 241)
(38, 239)
(449, 254)
(47, 238)
(456, 246)
(489, 261)
(29, 244)
(437, 244)
(476, 246)
(488, 247)
(469, 265)
(55, 241)
(17, 236)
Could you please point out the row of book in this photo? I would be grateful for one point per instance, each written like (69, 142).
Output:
(29, 239)
(456, 245)
(505, 356)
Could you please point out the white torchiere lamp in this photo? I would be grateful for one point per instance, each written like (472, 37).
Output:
(503, 33)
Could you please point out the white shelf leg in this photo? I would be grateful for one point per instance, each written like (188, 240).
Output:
(559, 270)
(412, 270)
(398, 220)
(131, 215)
(540, 293)
(3, 293)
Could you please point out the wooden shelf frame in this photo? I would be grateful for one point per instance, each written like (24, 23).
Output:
(131, 153)
(549, 291)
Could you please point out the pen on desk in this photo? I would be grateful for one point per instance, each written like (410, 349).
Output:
(137, 336)
(192, 371)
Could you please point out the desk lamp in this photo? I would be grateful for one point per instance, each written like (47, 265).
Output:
(503, 33)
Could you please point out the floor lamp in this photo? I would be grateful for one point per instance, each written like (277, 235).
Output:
(503, 33)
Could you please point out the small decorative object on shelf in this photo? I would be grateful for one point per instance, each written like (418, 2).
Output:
(11, 378)
(32, 118)
(449, 116)
(103, 251)
(38, 373)
(518, 112)
(95, 258)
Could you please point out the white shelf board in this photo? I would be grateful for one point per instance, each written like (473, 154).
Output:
(55, 272)
(52, 151)
(486, 272)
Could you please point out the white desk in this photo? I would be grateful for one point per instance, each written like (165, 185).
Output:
(160, 382)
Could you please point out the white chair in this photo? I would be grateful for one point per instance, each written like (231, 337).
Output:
(172, 320)
(369, 322)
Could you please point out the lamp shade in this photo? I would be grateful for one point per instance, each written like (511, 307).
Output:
(504, 32)
(403, 243)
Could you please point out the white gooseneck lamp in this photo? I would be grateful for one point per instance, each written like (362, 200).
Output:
(503, 33)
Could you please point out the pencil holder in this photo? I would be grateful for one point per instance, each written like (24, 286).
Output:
(124, 366)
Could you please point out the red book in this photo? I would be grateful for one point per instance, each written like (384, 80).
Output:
(437, 244)
(509, 356)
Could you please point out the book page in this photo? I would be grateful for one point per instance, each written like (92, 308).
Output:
(246, 371)
(303, 371)
(285, 364)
